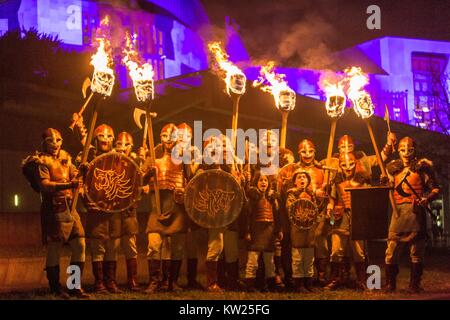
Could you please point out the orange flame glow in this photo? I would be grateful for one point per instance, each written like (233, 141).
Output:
(332, 84)
(103, 76)
(234, 78)
(274, 83)
(362, 102)
(142, 75)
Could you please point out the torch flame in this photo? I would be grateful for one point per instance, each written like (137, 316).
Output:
(273, 83)
(332, 84)
(234, 77)
(142, 75)
(361, 99)
(103, 76)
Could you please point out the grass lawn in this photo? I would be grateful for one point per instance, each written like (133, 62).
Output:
(436, 281)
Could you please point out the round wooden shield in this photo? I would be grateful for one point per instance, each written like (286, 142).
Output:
(213, 199)
(113, 182)
(303, 214)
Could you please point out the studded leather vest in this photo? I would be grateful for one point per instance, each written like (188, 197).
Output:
(170, 175)
(414, 180)
(263, 211)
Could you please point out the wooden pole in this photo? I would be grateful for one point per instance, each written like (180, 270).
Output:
(234, 120)
(284, 117)
(85, 153)
(151, 143)
(330, 146)
(72, 125)
(381, 164)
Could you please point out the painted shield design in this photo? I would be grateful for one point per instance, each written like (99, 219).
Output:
(213, 199)
(113, 182)
(303, 214)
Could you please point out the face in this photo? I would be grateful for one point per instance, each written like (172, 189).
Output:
(287, 100)
(124, 143)
(184, 137)
(52, 141)
(169, 137)
(263, 183)
(307, 152)
(347, 163)
(105, 137)
(406, 150)
(301, 181)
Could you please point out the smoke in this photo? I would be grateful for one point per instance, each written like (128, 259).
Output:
(306, 44)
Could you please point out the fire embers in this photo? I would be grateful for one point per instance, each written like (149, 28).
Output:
(102, 82)
(237, 83)
(286, 100)
(235, 79)
(275, 84)
(363, 106)
(362, 103)
(141, 73)
(335, 105)
(103, 77)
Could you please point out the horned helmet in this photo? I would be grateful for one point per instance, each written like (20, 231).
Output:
(52, 141)
(124, 143)
(307, 152)
(103, 138)
(347, 163)
(407, 150)
(169, 136)
(345, 144)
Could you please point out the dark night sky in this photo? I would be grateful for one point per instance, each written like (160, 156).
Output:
(299, 31)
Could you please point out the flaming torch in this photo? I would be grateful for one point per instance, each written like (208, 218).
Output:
(335, 106)
(364, 108)
(102, 84)
(284, 97)
(142, 76)
(234, 79)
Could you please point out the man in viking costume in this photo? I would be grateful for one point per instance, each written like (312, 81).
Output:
(308, 163)
(171, 223)
(191, 156)
(130, 227)
(103, 229)
(416, 187)
(52, 174)
(339, 208)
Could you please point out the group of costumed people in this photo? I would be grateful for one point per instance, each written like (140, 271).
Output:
(283, 254)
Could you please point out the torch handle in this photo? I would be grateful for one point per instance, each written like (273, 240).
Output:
(151, 143)
(381, 164)
(84, 154)
(330, 146)
(234, 120)
(145, 135)
(284, 117)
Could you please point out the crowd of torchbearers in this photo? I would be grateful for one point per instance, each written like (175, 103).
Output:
(295, 217)
(295, 221)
